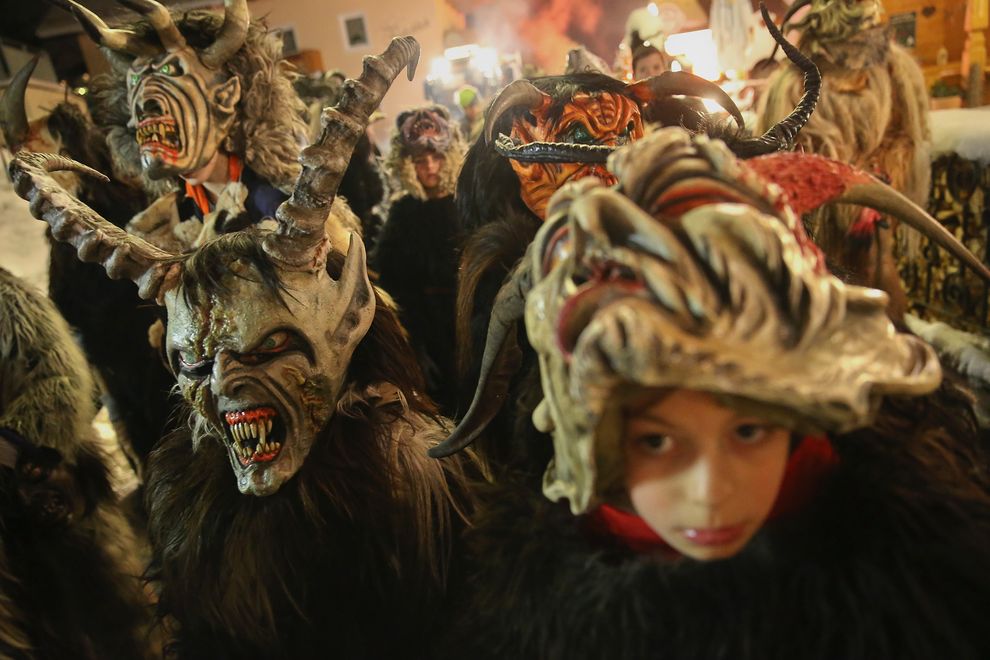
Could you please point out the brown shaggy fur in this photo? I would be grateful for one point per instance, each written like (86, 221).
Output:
(350, 557)
(873, 114)
(68, 588)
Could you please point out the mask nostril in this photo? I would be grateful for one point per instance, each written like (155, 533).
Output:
(150, 108)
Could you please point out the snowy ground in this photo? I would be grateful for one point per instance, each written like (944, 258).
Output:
(965, 131)
(23, 247)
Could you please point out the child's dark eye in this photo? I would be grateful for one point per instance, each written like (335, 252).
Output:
(751, 433)
(656, 443)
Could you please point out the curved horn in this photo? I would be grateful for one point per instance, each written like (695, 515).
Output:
(95, 239)
(232, 35)
(886, 199)
(781, 135)
(122, 41)
(300, 240)
(161, 19)
(517, 93)
(793, 9)
(13, 116)
(670, 83)
(498, 363)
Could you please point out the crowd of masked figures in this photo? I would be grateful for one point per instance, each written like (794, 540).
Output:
(619, 378)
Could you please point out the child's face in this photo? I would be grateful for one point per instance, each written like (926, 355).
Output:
(649, 66)
(703, 476)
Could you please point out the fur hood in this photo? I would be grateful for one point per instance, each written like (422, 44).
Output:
(888, 562)
(400, 173)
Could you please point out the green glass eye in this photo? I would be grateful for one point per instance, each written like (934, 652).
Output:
(167, 69)
(269, 343)
(135, 78)
(580, 135)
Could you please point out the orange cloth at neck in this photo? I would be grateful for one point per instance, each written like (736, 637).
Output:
(198, 192)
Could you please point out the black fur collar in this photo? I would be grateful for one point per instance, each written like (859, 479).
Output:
(890, 561)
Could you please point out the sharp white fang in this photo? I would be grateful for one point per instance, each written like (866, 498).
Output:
(253, 428)
(268, 424)
(263, 432)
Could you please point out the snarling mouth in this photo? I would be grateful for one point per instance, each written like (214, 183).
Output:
(256, 435)
(159, 134)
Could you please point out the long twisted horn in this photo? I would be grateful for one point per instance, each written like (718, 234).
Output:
(232, 35)
(670, 83)
(13, 116)
(300, 240)
(793, 9)
(161, 19)
(781, 135)
(95, 239)
(122, 41)
(811, 181)
(517, 93)
(498, 363)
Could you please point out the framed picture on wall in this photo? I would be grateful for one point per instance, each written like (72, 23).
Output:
(355, 31)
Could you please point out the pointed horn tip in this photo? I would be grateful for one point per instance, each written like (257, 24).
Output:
(450, 446)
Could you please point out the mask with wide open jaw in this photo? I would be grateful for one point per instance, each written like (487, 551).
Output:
(692, 272)
(182, 100)
(259, 333)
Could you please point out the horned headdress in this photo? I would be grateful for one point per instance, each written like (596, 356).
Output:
(223, 307)
(692, 272)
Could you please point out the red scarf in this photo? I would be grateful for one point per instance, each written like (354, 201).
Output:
(807, 467)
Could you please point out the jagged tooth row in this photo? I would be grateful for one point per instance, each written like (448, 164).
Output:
(254, 431)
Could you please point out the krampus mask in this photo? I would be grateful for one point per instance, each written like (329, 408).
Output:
(259, 335)
(552, 139)
(182, 100)
(647, 282)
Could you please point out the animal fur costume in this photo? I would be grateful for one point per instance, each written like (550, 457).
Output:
(185, 87)
(111, 321)
(418, 250)
(70, 582)
(873, 115)
(302, 517)
(676, 278)
(499, 223)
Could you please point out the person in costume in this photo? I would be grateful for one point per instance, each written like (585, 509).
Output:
(749, 461)
(539, 135)
(418, 250)
(70, 565)
(473, 121)
(297, 510)
(877, 82)
(202, 107)
(647, 59)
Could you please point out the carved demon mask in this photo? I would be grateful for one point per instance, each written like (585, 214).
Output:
(182, 99)
(259, 334)
(424, 129)
(693, 272)
(553, 138)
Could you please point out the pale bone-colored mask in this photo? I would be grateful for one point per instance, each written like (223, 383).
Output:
(182, 99)
(692, 272)
(259, 333)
